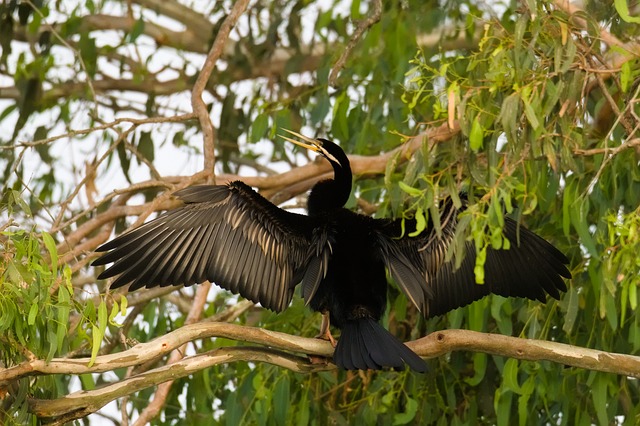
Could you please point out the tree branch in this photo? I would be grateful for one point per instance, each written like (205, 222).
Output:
(363, 26)
(199, 107)
(82, 403)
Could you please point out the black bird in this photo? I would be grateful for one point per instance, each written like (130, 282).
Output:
(232, 236)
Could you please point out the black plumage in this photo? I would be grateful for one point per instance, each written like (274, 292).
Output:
(233, 237)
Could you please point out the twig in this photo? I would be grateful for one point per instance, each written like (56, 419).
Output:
(199, 107)
(357, 35)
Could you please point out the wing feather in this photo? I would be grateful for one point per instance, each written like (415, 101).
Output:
(227, 234)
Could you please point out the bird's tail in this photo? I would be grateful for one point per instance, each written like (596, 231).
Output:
(364, 344)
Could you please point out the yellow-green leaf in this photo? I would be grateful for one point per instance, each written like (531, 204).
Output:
(476, 136)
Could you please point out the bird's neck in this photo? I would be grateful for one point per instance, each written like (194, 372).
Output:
(331, 194)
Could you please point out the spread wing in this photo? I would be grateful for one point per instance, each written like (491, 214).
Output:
(227, 234)
(529, 268)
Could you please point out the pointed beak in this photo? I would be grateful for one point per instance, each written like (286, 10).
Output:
(310, 144)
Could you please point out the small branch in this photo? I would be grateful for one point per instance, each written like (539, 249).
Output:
(357, 35)
(199, 107)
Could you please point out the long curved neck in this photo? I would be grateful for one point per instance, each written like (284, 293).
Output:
(331, 194)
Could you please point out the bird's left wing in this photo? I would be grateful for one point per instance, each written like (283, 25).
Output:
(530, 268)
(227, 234)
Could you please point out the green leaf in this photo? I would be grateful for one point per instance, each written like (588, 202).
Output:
(33, 311)
(572, 299)
(623, 10)
(282, 402)
(476, 136)
(510, 375)
(98, 331)
(145, 146)
(599, 395)
(625, 76)
(414, 192)
(302, 410)
(50, 244)
(123, 305)
(530, 114)
(421, 223)
(478, 269)
(64, 309)
(96, 337)
(259, 127)
(52, 338)
(479, 367)
(136, 31)
(411, 408)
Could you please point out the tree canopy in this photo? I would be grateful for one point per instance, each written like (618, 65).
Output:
(108, 107)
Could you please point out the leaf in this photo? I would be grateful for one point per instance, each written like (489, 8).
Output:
(89, 52)
(414, 192)
(599, 394)
(96, 337)
(33, 311)
(510, 375)
(123, 305)
(502, 406)
(302, 416)
(53, 344)
(281, 402)
(408, 415)
(421, 223)
(623, 10)
(115, 310)
(625, 76)
(98, 331)
(102, 315)
(125, 161)
(259, 127)
(479, 367)
(145, 146)
(476, 136)
(64, 308)
(530, 114)
(50, 244)
(478, 269)
(572, 310)
(136, 31)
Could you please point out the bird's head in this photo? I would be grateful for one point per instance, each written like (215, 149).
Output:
(333, 193)
(329, 150)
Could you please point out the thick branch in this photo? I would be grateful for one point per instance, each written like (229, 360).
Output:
(442, 342)
(436, 344)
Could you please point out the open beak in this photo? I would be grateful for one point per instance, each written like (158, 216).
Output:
(310, 144)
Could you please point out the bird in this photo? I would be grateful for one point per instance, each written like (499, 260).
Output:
(232, 236)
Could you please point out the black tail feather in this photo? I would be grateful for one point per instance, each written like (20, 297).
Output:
(365, 345)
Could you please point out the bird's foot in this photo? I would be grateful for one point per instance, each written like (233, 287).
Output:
(326, 335)
(325, 332)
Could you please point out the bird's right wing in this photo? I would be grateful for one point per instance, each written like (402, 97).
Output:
(227, 234)
(529, 268)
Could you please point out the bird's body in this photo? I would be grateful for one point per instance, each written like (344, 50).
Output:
(232, 236)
